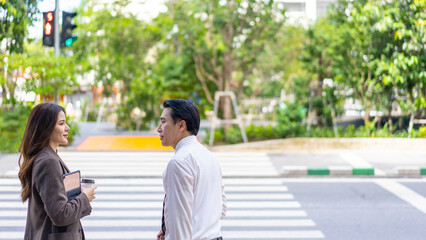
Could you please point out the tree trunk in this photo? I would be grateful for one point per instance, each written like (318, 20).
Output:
(412, 109)
(379, 122)
(390, 125)
(310, 113)
(333, 119)
(4, 93)
(366, 117)
(410, 125)
(227, 108)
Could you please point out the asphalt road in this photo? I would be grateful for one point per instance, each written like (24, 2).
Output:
(274, 208)
(362, 208)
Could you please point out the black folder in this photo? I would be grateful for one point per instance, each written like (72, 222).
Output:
(72, 184)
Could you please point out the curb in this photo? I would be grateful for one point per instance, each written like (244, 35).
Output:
(410, 171)
(325, 171)
(401, 171)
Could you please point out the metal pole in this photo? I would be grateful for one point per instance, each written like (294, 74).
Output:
(56, 31)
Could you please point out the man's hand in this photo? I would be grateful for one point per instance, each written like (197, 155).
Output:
(160, 235)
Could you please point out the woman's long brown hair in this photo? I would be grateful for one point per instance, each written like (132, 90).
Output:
(40, 125)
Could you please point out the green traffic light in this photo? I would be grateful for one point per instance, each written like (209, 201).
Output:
(70, 41)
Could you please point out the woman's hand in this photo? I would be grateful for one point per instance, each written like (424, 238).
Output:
(90, 192)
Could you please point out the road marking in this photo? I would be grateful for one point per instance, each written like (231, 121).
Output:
(135, 205)
(404, 193)
(131, 208)
(255, 182)
(151, 234)
(152, 164)
(358, 162)
(157, 213)
(88, 222)
(102, 197)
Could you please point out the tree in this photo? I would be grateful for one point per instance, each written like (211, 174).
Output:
(16, 16)
(405, 67)
(380, 53)
(279, 64)
(317, 60)
(14, 66)
(225, 39)
(36, 70)
(357, 47)
(115, 45)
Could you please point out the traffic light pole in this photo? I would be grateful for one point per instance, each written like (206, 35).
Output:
(57, 31)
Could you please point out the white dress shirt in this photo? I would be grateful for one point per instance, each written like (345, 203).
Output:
(195, 201)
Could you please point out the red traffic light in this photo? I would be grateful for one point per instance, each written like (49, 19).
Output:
(48, 29)
(49, 16)
(48, 24)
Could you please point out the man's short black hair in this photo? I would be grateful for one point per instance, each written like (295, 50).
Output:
(184, 110)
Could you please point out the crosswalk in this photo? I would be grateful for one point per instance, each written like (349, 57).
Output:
(130, 208)
(151, 164)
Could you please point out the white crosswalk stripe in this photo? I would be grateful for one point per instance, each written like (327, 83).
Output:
(152, 164)
(257, 209)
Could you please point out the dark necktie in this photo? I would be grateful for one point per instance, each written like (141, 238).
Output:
(163, 223)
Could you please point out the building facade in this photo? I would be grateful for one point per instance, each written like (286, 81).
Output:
(306, 12)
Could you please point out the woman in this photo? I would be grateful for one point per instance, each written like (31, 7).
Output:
(50, 215)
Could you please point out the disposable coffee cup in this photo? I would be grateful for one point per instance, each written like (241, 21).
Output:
(87, 183)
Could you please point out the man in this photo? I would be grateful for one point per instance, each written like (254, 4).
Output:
(194, 201)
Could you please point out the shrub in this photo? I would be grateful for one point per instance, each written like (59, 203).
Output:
(74, 129)
(348, 132)
(218, 136)
(250, 132)
(12, 127)
(233, 135)
(422, 132)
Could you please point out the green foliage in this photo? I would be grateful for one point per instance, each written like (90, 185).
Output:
(12, 127)
(45, 75)
(374, 52)
(233, 135)
(223, 41)
(219, 136)
(260, 133)
(349, 131)
(278, 66)
(320, 132)
(74, 129)
(383, 42)
(119, 48)
(370, 50)
(16, 16)
(256, 133)
(290, 120)
(422, 132)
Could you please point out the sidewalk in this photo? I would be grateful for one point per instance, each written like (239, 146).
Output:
(371, 157)
(327, 144)
(379, 157)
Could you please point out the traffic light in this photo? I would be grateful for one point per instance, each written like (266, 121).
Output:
(67, 39)
(49, 29)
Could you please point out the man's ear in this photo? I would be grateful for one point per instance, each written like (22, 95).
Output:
(182, 124)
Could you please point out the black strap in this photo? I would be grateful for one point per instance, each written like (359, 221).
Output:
(163, 223)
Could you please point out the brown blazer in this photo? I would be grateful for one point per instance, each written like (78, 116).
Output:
(50, 215)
